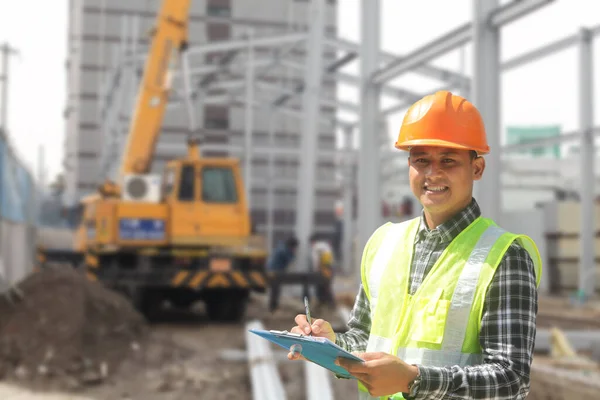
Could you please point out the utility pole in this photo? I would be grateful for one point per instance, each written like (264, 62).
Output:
(7, 51)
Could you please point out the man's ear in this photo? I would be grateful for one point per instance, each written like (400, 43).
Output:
(478, 168)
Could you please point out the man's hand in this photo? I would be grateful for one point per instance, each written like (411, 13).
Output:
(319, 328)
(382, 374)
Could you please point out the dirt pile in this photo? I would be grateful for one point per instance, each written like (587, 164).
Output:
(66, 329)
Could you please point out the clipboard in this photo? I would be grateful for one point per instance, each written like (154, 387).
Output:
(319, 350)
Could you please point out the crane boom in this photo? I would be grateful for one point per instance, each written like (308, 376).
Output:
(169, 37)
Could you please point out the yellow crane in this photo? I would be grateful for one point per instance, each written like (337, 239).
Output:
(181, 236)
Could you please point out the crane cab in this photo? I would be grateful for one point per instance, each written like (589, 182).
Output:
(198, 201)
(206, 200)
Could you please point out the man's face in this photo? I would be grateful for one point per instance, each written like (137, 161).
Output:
(442, 178)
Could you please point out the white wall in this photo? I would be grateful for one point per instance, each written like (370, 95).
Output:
(532, 224)
(16, 252)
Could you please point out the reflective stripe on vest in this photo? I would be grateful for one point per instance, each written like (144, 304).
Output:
(392, 237)
(462, 300)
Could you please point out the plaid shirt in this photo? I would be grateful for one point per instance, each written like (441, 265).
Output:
(507, 327)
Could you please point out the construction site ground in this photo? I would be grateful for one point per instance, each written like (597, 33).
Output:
(79, 341)
(87, 342)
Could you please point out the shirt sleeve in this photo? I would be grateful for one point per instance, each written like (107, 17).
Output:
(507, 336)
(359, 325)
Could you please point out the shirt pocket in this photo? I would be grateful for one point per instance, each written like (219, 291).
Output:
(429, 322)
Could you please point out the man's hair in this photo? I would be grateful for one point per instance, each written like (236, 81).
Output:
(291, 242)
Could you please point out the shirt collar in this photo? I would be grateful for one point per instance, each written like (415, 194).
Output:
(451, 228)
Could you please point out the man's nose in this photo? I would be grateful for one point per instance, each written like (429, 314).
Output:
(433, 169)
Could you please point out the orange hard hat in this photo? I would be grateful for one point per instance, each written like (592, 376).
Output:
(443, 119)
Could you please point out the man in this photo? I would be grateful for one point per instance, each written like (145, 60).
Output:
(448, 301)
(322, 261)
(277, 263)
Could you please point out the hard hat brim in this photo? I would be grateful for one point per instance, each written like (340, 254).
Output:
(438, 143)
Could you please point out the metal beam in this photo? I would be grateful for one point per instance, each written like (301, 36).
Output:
(339, 63)
(249, 119)
(326, 122)
(546, 50)
(514, 10)
(238, 149)
(208, 69)
(225, 60)
(587, 265)
(290, 183)
(264, 85)
(348, 221)
(345, 105)
(221, 46)
(486, 97)
(318, 385)
(310, 129)
(264, 376)
(369, 213)
(388, 90)
(425, 70)
(270, 184)
(189, 104)
(454, 39)
(430, 51)
(300, 87)
(235, 100)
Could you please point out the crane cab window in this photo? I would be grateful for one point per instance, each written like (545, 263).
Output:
(218, 185)
(186, 183)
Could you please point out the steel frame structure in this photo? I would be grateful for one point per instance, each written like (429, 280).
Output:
(488, 18)
(484, 31)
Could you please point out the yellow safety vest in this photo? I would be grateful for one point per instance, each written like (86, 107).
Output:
(439, 325)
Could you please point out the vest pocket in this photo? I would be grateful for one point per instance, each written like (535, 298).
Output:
(430, 320)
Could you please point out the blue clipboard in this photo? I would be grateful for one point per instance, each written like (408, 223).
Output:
(321, 351)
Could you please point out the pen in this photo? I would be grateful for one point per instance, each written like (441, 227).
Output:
(307, 308)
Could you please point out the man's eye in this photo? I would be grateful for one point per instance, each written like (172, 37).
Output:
(447, 160)
(421, 160)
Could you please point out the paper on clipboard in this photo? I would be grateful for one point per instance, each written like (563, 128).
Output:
(321, 351)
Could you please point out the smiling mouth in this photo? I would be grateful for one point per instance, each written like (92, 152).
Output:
(435, 189)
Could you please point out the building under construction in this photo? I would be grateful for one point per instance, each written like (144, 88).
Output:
(108, 40)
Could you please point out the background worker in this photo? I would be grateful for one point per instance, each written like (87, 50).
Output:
(278, 262)
(323, 261)
(448, 301)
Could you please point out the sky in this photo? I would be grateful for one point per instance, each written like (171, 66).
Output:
(544, 92)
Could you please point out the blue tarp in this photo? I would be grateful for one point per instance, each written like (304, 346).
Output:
(16, 187)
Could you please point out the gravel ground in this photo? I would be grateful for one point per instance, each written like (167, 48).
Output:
(182, 359)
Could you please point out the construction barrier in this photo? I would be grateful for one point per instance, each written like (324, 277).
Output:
(18, 199)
